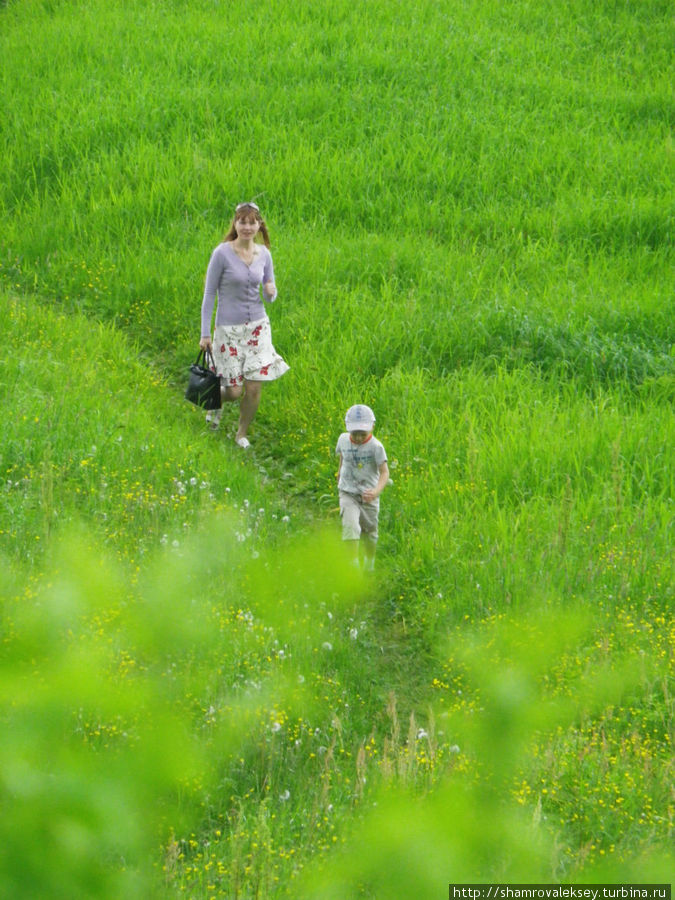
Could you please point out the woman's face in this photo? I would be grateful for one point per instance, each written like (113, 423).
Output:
(247, 227)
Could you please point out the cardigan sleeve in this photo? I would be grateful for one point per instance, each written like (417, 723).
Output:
(268, 275)
(213, 273)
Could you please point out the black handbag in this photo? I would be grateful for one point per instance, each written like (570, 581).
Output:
(204, 385)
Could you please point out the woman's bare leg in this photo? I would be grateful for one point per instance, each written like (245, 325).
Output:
(231, 393)
(248, 406)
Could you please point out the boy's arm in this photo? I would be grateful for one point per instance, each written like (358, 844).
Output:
(372, 493)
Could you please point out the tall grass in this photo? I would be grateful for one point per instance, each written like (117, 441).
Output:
(472, 231)
(494, 137)
(89, 430)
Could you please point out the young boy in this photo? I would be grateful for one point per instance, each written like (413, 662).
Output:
(362, 476)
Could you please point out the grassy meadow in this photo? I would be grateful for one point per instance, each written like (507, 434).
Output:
(471, 213)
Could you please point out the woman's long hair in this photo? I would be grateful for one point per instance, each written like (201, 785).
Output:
(249, 212)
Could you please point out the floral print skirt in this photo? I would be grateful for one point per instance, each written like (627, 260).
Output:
(246, 352)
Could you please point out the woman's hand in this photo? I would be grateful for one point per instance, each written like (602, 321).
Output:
(205, 344)
(270, 289)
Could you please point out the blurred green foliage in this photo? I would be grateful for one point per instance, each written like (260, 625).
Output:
(105, 755)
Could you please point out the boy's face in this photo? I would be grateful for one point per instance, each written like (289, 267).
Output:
(360, 437)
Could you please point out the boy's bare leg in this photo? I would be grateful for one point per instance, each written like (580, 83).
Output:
(353, 551)
(369, 547)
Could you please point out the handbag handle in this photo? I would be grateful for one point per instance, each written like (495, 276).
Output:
(207, 356)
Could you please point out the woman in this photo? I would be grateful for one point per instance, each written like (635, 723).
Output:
(242, 340)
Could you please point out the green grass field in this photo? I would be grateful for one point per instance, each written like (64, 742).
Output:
(471, 212)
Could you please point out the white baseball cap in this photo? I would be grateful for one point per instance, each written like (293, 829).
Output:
(359, 418)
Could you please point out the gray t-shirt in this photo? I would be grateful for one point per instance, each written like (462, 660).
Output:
(237, 286)
(360, 464)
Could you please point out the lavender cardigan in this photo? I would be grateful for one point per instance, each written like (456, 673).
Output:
(237, 286)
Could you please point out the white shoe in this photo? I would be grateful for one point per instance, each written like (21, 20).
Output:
(242, 442)
(213, 418)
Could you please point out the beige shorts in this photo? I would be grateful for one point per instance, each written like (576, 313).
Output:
(358, 517)
(246, 352)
